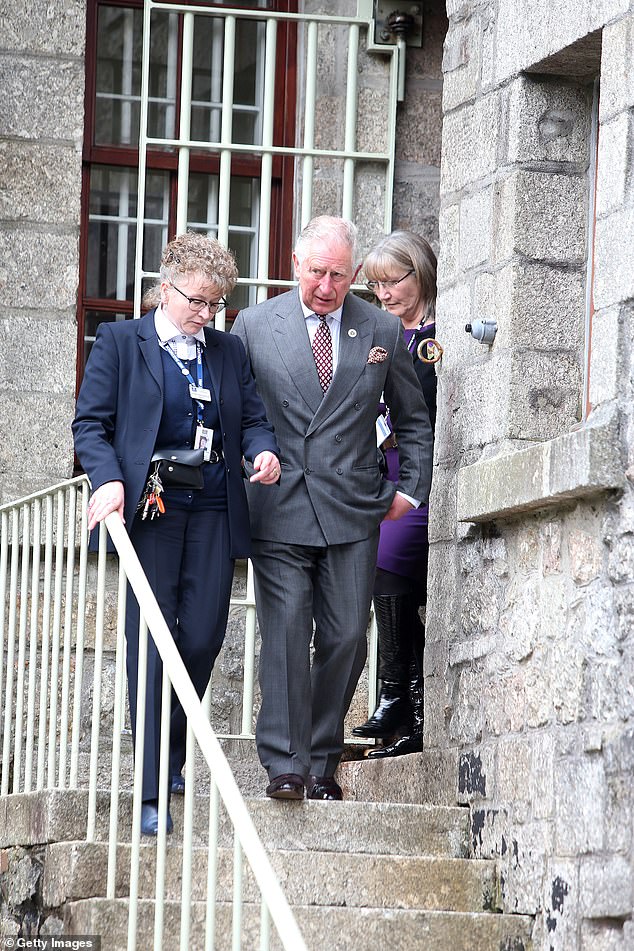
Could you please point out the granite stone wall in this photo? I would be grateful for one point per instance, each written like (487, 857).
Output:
(530, 641)
(41, 133)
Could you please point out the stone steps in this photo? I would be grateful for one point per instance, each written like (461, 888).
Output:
(340, 929)
(358, 875)
(78, 870)
(385, 828)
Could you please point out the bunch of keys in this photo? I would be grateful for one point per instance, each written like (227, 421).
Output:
(151, 501)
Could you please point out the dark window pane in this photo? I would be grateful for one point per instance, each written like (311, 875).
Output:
(92, 319)
(118, 89)
(112, 229)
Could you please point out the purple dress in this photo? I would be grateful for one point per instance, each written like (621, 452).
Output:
(403, 543)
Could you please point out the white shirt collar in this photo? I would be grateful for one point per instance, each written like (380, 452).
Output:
(335, 314)
(166, 330)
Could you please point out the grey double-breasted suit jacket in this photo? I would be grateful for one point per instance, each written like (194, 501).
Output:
(331, 489)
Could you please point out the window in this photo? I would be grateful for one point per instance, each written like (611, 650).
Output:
(111, 154)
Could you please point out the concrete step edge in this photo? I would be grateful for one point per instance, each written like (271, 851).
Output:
(79, 870)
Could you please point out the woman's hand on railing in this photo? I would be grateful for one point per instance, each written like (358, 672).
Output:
(267, 468)
(108, 498)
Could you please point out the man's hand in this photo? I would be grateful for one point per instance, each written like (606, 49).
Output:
(107, 498)
(398, 508)
(267, 468)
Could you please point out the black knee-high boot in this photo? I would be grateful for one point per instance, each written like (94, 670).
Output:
(412, 742)
(393, 714)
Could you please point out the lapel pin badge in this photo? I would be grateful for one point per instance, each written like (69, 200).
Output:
(352, 332)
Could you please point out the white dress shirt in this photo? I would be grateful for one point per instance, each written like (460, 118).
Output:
(184, 345)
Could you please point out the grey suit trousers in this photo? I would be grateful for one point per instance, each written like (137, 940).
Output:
(300, 725)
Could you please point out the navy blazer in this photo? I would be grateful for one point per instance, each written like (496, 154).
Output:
(119, 409)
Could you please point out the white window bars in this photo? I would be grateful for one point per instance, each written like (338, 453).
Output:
(333, 174)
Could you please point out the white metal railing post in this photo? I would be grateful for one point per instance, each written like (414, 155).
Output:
(164, 779)
(80, 630)
(21, 668)
(249, 655)
(7, 710)
(212, 867)
(96, 684)
(350, 138)
(4, 561)
(185, 123)
(68, 621)
(268, 110)
(137, 795)
(188, 825)
(117, 723)
(57, 612)
(226, 129)
(35, 600)
(237, 895)
(45, 642)
(143, 143)
(308, 162)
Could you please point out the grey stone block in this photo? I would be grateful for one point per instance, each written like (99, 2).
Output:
(544, 394)
(559, 25)
(617, 82)
(476, 213)
(427, 777)
(416, 201)
(57, 27)
(40, 183)
(542, 216)
(39, 272)
(548, 121)
(52, 348)
(575, 465)
(479, 123)
(42, 452)
(579, 781)
(535, 305)
(614, 179)
(45, 98)
(614, 278)
(422, 113)
(461, 60)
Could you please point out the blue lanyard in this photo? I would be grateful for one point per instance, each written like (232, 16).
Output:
(200, 406)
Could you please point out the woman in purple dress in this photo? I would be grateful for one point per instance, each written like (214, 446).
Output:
(401, 271)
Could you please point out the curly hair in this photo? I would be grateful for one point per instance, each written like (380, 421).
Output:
(194, 253)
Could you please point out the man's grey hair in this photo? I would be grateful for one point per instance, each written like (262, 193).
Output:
(327, 228)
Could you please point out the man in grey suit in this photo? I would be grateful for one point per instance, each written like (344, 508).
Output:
(322, 358)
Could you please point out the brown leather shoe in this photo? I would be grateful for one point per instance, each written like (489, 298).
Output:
(286, 786)
(324, 787)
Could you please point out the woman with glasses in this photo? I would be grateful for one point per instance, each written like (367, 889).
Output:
(401, 272)
(169, 385)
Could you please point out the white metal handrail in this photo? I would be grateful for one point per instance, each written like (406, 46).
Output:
(44, 568)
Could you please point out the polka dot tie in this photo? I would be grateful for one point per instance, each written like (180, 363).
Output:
(322, 350)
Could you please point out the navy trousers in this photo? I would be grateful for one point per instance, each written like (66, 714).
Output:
(185, 555)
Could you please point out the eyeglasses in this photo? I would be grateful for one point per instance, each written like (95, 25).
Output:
(372, 285)
(196, 304)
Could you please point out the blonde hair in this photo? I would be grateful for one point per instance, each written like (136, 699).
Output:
(194, 253)
(411, 252)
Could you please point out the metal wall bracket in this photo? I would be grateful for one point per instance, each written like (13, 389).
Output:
(397, 18)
